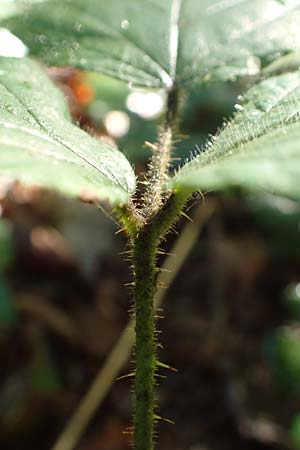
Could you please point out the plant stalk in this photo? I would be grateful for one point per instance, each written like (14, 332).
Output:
(144, 245)
(159, 166)
(146, 227)
(144, 255)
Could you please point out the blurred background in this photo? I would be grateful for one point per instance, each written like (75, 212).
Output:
(231, 317)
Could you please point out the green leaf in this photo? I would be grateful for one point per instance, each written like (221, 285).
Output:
(39, 145)
(258, 149)
(157, 43)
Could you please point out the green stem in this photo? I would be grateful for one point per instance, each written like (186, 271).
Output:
(146, 227)
(145, 243)
(144, 255)
(159, 165)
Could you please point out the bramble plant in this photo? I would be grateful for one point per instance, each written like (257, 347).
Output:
(171, 45)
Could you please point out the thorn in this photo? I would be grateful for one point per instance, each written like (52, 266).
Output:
(150, 145)
(156, 417)
(126, 252)
(166, 366)
(105, 212)
(161, 252)
(186, 216)
(173, 230)
(160, 376)
(121, 230)
(128, 375)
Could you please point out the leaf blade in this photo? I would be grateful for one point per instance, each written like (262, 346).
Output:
(156, 44)
(259, 149)
(35, 125)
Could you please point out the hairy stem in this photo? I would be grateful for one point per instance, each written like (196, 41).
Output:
(144, 244)
(144, 254)
(146, 227)
(159, 165)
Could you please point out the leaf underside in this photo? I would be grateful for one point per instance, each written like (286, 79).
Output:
(40, 146)
(184, 42)
(158, 43)
(259, 149)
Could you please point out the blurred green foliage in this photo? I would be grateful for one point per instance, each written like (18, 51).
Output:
(291, 299)
(295, 432)
(6, 245)
(282, 350)
(8, 315)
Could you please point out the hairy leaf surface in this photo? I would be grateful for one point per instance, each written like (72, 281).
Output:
(258, 149)
(157, 43)
(39, 145)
